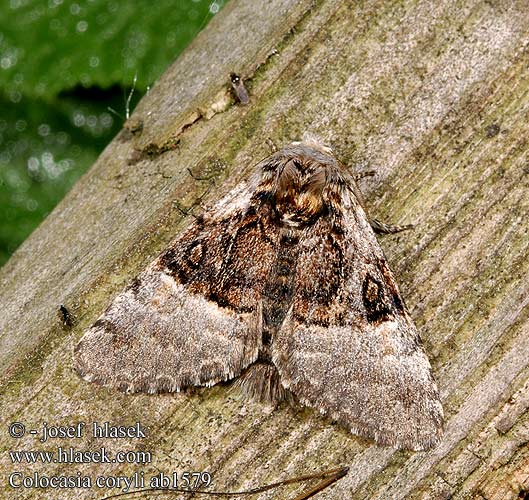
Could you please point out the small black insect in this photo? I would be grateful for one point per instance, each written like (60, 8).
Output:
(65, 316)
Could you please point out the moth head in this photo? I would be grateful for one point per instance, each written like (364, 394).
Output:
(303, 180)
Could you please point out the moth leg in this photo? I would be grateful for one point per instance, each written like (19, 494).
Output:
(184, 211)
(365, 173)
(378, 226)
(383, 228)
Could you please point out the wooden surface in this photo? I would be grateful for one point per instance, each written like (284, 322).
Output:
(434, 96)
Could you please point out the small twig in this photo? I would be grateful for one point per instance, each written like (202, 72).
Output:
(323, 484)
(127, 102)
(112, 110)
(329, 477)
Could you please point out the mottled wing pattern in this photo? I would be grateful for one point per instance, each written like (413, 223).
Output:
(193, 316)
(285, 272)
(347, 346)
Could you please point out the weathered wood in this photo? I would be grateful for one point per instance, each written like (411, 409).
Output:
(432, 95)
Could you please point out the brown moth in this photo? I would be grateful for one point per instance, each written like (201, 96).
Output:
(283, 284)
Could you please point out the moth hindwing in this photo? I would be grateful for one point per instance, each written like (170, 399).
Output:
(284, 285)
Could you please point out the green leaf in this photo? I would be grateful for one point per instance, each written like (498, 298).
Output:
(47, 47)
(63, 63)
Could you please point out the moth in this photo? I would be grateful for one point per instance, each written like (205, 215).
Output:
(282, 284)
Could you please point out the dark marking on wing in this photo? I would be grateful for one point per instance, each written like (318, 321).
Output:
(213, 260)
(375, 302)
(397, 301)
